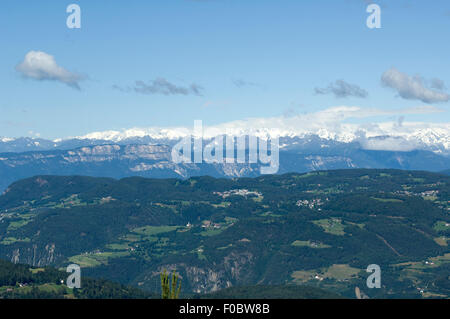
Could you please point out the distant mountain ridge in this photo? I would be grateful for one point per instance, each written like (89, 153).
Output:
(154, 160)
(435, 139)
(147, 153)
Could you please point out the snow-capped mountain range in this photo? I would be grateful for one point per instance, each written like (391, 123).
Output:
(389, 136)
(147, 153)
(332, 124)
(315, 141)
(383, 137)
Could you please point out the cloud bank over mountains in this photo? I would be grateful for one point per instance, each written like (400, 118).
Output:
(331, 124)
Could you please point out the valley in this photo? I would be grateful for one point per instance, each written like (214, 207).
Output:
(319, 229)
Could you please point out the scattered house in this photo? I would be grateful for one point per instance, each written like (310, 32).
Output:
(107, 200)
(206, 224)
(209, 224)
(313, 203)
(429, 193)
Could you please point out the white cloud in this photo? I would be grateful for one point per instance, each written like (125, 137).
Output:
(387, 143)
(41, 66)
(162, 86)
(241, 83)
(414, 87)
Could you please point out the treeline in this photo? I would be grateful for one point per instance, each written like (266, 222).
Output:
(19, 281)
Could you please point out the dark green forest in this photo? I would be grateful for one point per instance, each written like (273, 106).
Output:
(18, 281)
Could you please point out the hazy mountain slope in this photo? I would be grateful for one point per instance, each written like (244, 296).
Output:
(118, 161)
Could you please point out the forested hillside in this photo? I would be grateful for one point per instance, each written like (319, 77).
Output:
(319, 229)
(19, 281)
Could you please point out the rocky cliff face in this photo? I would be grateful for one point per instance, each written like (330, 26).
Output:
(34, 255)
(233, 269)
(118, 161)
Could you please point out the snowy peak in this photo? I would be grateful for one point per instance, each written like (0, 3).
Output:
(389, 136)
(384, 136)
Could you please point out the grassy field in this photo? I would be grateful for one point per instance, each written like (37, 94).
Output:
(212, 232)
(331, 225)
(388, 200)
(310, 244)
(302, 276)
(36, 270)
(441, 226)
(12, 240)
(341, 272)
(442, 241)
(335, 272)
(154, 230)
(96, 259)
(123, 246)
(17, 224)
(221, 205)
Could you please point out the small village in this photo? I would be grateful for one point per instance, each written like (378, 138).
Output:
(238, 192)
(311, 204)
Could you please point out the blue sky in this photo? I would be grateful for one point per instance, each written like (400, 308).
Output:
(246, 59)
